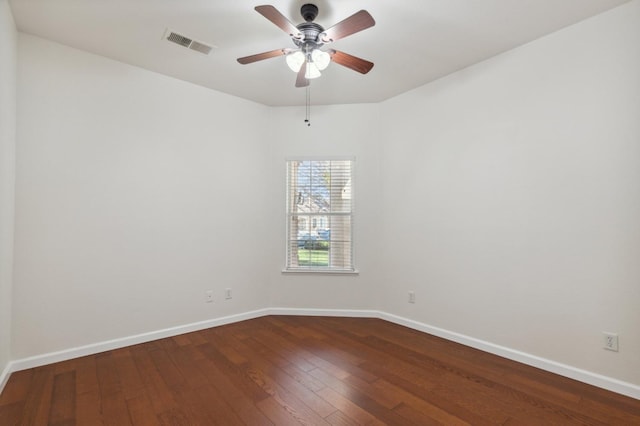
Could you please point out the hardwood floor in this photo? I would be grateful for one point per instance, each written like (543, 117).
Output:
(285, 370)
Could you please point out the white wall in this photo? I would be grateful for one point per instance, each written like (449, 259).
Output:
(512, 195)
(335, 131)
(8, 63)
(136, 193)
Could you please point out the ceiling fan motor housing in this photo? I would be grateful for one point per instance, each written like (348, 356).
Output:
(310, 34)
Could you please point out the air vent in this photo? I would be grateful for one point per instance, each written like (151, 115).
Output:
(187, 42)
(179, 39)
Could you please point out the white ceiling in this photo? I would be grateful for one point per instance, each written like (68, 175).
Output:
(412, 43)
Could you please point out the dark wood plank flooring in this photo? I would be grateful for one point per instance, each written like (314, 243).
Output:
(285, 370)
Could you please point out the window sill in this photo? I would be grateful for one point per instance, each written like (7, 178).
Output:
(321, 271)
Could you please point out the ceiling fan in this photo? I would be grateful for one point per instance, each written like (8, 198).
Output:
(308, 59)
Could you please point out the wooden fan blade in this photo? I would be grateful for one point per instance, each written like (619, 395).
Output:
(301, 80)
(350, 61)
(263, 56)
(272, 14)
(357, 22)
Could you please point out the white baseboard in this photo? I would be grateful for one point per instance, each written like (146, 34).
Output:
(4, 376)
(94, 348)
(608, 383)
(325, 312)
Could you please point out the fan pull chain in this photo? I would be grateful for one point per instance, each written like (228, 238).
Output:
(308, 107)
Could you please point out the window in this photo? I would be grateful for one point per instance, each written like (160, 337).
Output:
(320, 215)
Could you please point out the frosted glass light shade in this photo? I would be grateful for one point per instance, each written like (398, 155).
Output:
(321, 59)
(295, 60)
(312, 71)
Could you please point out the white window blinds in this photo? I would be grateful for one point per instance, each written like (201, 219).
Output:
(320, 215)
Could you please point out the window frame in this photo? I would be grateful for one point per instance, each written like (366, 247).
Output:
(288, 215)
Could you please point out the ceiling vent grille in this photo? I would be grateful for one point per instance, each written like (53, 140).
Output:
(188, 42)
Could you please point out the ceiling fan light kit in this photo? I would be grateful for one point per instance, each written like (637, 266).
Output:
(318, 61)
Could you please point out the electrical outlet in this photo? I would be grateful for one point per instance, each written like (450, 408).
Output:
(227, 293)
(610, 341)
(208, 296)
(412, 297)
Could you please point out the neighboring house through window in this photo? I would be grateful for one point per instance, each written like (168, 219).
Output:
(320, 215)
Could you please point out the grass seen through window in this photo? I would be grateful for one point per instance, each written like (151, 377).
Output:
(313, 257)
